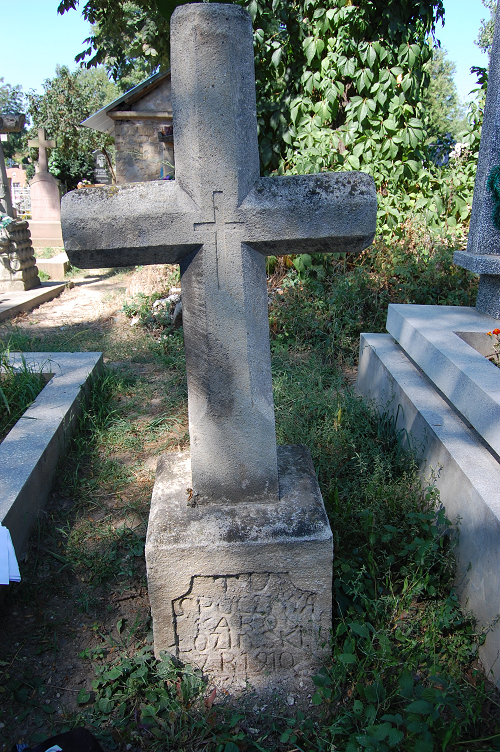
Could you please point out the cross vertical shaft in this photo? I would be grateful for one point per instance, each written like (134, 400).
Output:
(42, 144)
(226, 328)
(213, 97)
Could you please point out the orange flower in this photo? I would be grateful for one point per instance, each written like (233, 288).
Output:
(496, 332)
(490, 334)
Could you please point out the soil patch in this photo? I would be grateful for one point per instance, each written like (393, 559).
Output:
(83, 578)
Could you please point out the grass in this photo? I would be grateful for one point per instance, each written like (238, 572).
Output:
(403, 672)
(48, 252)
(19, 387)
(404, 667)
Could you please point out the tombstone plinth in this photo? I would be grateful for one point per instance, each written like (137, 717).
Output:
(483, 247)
(17, 261)
(239, 549)
(45, 222)
(242, 591)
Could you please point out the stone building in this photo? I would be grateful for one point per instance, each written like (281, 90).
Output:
(141, 123)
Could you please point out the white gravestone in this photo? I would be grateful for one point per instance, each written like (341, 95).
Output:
(239, 549)
(45, 224)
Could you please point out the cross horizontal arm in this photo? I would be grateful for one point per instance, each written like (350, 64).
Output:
(138, 223)
(155, 222)
(323, 213)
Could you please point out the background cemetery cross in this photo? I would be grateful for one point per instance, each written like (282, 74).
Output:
(483, 246)
(8, 124)
(219, 219)
(42, 144)
(45, 222)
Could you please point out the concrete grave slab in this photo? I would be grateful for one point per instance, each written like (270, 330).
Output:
(14, 302)
(454, 458)
(30, 452)
(435, 338)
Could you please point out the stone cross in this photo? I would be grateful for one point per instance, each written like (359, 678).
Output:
(483, 247)
(219, 219)
(42, 144)
(8, 124)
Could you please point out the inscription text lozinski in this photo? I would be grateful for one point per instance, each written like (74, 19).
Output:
(248, 624)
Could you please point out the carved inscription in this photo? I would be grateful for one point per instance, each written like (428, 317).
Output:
(247, 624)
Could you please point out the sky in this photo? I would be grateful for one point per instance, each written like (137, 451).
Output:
(462, 22)
(49, 39)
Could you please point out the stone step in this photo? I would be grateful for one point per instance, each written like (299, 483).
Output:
(454, 458)
(56, 267)
(450, 345)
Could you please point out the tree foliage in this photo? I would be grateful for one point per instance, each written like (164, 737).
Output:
(444, 114)
(348, 86)
(11, 98)
(341, 85)
(130, 38)
(333, 71)
(485, 36)
(12, 101)
(68, 99)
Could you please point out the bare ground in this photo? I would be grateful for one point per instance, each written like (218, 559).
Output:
(65, 604)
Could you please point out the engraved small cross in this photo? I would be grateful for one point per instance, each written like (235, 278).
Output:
(218, 228)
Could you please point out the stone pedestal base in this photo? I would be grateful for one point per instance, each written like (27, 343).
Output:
(56, 267)
(46, 234)
(488, 268)
(243, 591)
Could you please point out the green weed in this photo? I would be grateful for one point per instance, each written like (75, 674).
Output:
(19, 387)
(157, 704)
(403, 670)
(328, 301)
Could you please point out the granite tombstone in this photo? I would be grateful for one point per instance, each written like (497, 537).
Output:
(101, 168)
(483, 247)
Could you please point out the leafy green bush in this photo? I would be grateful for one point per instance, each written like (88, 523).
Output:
(158, 704)
(330, 301)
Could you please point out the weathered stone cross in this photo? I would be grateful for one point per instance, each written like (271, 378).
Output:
(42, 144)
(220, 219)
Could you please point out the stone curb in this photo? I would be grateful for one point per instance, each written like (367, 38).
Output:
(30, 452)
(449, 344)
(455, 459)
(13, 302)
